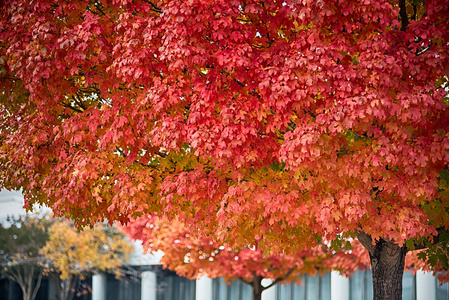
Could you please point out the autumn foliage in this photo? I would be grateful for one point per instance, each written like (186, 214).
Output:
(192, 254)
(286, 120)
(72, 255)
(32, 247)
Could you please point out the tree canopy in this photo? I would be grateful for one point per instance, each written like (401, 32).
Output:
(192, 254)
(273, 120)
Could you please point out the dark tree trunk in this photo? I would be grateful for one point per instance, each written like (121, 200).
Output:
(257, 295)
(257, 289)
(24, 276)
(73, 281)
(256, 285)
(65, 288)
(387, 263)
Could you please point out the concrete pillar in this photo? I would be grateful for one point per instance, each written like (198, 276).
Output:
(339, 286)
(425, 286)
(99, 284)
(148, 286)
(203, 289)
(269, 294)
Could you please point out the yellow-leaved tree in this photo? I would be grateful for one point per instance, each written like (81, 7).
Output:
(73, 254)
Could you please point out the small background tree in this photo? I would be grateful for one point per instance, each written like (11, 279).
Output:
(20, 260)
(73, 254)
(32, 247)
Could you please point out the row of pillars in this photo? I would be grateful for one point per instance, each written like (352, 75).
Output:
(204, 290)
(425, 287)
(147, 288)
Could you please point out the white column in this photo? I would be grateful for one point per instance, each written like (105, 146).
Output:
(203, 289)
(269, 294)
(99, 282)
(425, 286)
(339, 286)
(148, 286)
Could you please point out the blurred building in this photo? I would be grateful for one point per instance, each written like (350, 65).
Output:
(146, 280)
(11, 203)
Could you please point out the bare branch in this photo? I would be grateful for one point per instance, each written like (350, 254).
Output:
(436, 239)
(279, 279)
(403, 14)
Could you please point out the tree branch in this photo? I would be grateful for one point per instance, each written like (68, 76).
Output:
(37, 286)
(154, 7)
(365, 240)
(161, 154)
(247, 281)
(415, 11)
(403, 14)
(436, 239)
(279, 279)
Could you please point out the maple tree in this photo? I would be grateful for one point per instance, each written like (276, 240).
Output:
(274, 120)
(192, 254)
(20, 260)
(71, 254)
